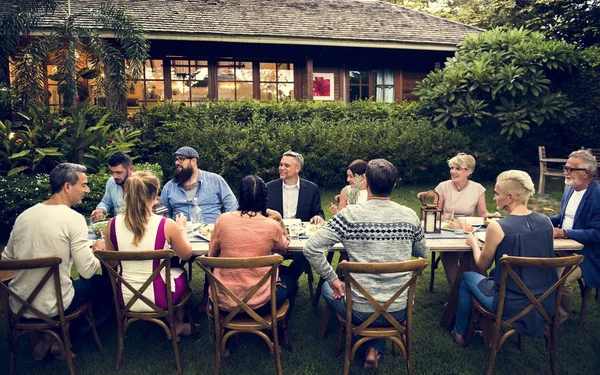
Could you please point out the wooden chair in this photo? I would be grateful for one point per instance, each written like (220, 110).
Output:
(435, 260)
(497, 338)
(400, 333)
(247, 321)
(18, 325)
(545, 170)
(126, 316)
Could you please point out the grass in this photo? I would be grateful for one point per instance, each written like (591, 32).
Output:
(434, 352)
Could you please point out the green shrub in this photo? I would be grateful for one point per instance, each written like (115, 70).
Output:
(248, 137)
(19, 192)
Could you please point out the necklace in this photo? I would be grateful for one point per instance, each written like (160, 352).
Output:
(462, 188)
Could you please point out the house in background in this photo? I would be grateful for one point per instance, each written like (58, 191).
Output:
(278, 49)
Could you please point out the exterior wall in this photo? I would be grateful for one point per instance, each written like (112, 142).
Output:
(402, 69)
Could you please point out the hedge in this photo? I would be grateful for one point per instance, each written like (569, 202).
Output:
(248, 137)
(19, 192)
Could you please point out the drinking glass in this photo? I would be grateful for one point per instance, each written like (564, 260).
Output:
(448, 215)
(459, 225)
(295, 232)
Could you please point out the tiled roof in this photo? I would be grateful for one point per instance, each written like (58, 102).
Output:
(334, 22)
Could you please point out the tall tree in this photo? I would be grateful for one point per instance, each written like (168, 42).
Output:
(572, 21)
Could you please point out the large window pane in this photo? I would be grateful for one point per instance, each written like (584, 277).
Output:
(276, 81)
(199, 94)
(235, 80)
(153, 69)
(384, 89)
(155, 90)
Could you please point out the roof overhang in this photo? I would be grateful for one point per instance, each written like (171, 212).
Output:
(289, 40)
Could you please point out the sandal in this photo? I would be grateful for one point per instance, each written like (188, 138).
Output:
(372, 360)
(41, 348)
(186, 330)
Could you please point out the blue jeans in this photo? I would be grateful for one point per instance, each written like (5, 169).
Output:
(468, 289)
(287, 286)
(339, 306)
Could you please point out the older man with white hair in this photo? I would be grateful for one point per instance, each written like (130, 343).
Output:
(579, 219)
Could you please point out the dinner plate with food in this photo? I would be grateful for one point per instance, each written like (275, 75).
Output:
(205, 232)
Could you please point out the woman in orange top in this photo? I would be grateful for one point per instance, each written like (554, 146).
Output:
(252, 230)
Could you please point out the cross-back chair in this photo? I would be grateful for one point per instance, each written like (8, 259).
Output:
(508, 263)
(431, 197)
(17, 324)
(126, 316)
(400, 333)
(242, 319)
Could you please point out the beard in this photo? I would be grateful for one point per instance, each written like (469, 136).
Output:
(183, 175)
(123, 181)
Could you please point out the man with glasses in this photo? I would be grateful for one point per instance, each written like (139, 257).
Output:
(292, 196)
(120, 166)
(190, 182)
(579, 219)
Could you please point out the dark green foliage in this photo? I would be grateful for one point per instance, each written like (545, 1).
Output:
(41, 139)
(503, 78)
(246, 137)
(19, 192)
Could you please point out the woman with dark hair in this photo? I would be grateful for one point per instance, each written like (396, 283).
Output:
(138, 229)
(356, 190)
(252, 230)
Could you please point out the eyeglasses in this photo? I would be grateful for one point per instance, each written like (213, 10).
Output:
(569, 169)
(180, 159)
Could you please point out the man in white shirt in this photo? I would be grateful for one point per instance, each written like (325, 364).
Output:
(292, 196)
(52, 228)
(579, 219)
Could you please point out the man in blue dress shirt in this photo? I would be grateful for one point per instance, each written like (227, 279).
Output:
(121, 167)
(190, 182)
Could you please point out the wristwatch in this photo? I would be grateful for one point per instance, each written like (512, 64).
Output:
(565, 233)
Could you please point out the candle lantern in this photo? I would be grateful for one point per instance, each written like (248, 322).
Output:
(431, 212)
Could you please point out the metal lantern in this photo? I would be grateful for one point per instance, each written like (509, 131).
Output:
(431, 212)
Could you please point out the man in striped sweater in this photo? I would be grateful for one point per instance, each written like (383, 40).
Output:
(376, 231)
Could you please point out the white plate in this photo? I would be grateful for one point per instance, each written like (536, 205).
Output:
(206, 232)
(473, 220)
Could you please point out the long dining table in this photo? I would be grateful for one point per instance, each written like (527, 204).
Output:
(444, 242)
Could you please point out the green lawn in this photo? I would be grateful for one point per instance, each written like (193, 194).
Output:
(434, 352)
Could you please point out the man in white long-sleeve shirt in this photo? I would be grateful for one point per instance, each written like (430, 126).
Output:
(52, 228)
(376, 231)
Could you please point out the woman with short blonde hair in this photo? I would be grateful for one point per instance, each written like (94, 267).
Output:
(464, 197)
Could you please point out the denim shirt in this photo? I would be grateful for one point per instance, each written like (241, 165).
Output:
(113, 197)
(212, 192)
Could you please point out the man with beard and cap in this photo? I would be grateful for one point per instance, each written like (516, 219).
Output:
(579, 219)
(190, 182)
(121, 167)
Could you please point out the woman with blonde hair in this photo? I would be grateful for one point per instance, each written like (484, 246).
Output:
(464, 197)
(521, 233)
(138, 229)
